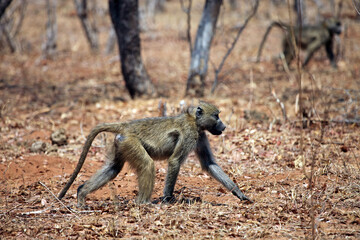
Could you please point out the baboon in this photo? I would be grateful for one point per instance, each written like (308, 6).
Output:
(311, 39)
(139, 142)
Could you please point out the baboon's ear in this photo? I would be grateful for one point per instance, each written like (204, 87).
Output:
(199, 112)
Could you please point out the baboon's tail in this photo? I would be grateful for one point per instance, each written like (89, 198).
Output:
(277, 24)
(106, 127)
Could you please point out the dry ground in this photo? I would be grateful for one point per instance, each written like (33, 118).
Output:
(77, 90)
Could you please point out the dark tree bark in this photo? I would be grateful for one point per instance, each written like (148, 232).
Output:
(201, 51)
(3, 5)
(89, 28)
(125, 18)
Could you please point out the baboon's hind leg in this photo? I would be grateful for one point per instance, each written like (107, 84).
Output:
(111, 169)
(311, 49)
(146, 179)
(138, 158)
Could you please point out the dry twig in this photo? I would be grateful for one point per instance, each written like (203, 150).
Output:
(188, 21)
(281, 104)
(218, 70)
(72, 211)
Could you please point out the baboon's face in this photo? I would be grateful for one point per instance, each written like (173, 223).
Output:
(334, 25)
(207, 117)
(217, 128)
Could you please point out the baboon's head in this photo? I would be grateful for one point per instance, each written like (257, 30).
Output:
(207, 118)
(333, 25)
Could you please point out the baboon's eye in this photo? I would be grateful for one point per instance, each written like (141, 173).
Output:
(199, 112)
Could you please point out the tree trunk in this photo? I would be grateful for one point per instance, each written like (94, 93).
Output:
(89, 28)
(150, 10)
(10, 24)
(234, 5)
(201, 51)
(49, 46)
(110, 45)
(3, 5)
(152, 7)
(125, 18)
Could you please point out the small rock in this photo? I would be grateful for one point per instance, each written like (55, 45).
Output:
(59, 137)
(51, 148)
(38, 146)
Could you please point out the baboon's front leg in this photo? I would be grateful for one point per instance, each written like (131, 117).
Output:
(208, 164)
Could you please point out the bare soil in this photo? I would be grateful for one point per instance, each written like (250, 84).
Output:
(259, 150)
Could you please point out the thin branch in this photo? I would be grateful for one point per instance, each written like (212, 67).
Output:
(73, 212)
(23, 6)
(285, 65)
(9, 19)
(8, 38)
(311, 183)
(298, 76)
(218, 70)
(35, 212)
(89, 27)
(281, 104)
(345, 121)
(356, 8)
(188, 21)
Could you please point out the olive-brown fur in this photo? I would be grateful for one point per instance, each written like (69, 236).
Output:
(140, 142)
(311, 40)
